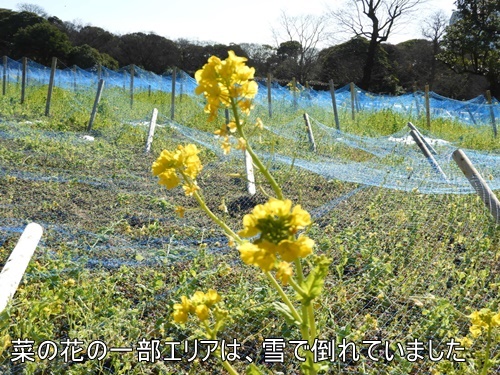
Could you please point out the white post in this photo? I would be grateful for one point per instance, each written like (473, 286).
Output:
(310, 133)
(14, 268)
(482, 189)
(250, 175)
(151, 133)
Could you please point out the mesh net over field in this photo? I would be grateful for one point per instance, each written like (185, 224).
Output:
(412, 247)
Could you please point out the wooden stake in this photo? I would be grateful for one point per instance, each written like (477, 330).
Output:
(269, 103)
(492, 114)
(434, 164)
(149, 90)
(334, 104)
(99, 72)
(96, 103)
(310, 133)
(51, 85)
(152, 125)
(132, 73)
(18, 261)
(482, 189)
(427, 144)
(427, 108)
(23, 79)
(353, 98)
(4, 76)
(74, 78)
(294, 91)
(172, 106)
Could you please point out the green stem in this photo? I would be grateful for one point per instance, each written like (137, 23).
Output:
(255, 158)
(213, 336)
(214, 217)
(229, 368)
(486, 364)
(283, 296)
(297, 287)
(300, 273)
(312, 322)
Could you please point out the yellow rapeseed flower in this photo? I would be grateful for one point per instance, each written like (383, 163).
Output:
(483, 319)
(202, 312)
(180, 211)
(181, 310)
(190, 189)
(223, 80)
(292, 250)
(183, 160)
(212, 297)
(257, 255)
(284, 272)
(274, 220)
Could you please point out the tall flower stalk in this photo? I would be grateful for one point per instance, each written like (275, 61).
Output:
(271, 238)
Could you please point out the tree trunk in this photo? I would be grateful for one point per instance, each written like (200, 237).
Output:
(369, 63)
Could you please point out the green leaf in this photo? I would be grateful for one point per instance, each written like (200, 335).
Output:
(139, 258)
(285, 311)
(313, 284)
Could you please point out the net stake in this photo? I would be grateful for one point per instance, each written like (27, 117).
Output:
(4, 76)
(152, 126)
(434, 164)
(51, 85)
(427, 144)
(172, 106)
(269, 103)
(14, 268)
(427, 107)
(23, 79)
(480, 186)
(334, 104)
(96, 103)
(310, 132)
(353, 98)
(132, 73)
(492, 114)
(294, 91)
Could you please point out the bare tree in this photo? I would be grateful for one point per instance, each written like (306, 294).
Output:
(374, 20)
(308, 31)
(433, 28)
(33, 8)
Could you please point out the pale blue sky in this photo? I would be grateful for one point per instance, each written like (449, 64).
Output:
(222, 21)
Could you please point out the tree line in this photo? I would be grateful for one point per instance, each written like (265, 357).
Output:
(459, 60)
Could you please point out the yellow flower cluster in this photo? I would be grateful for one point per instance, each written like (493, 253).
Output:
(184, 161)
(199, 304)
(276, 223)
(223, 80)
(484, 318)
